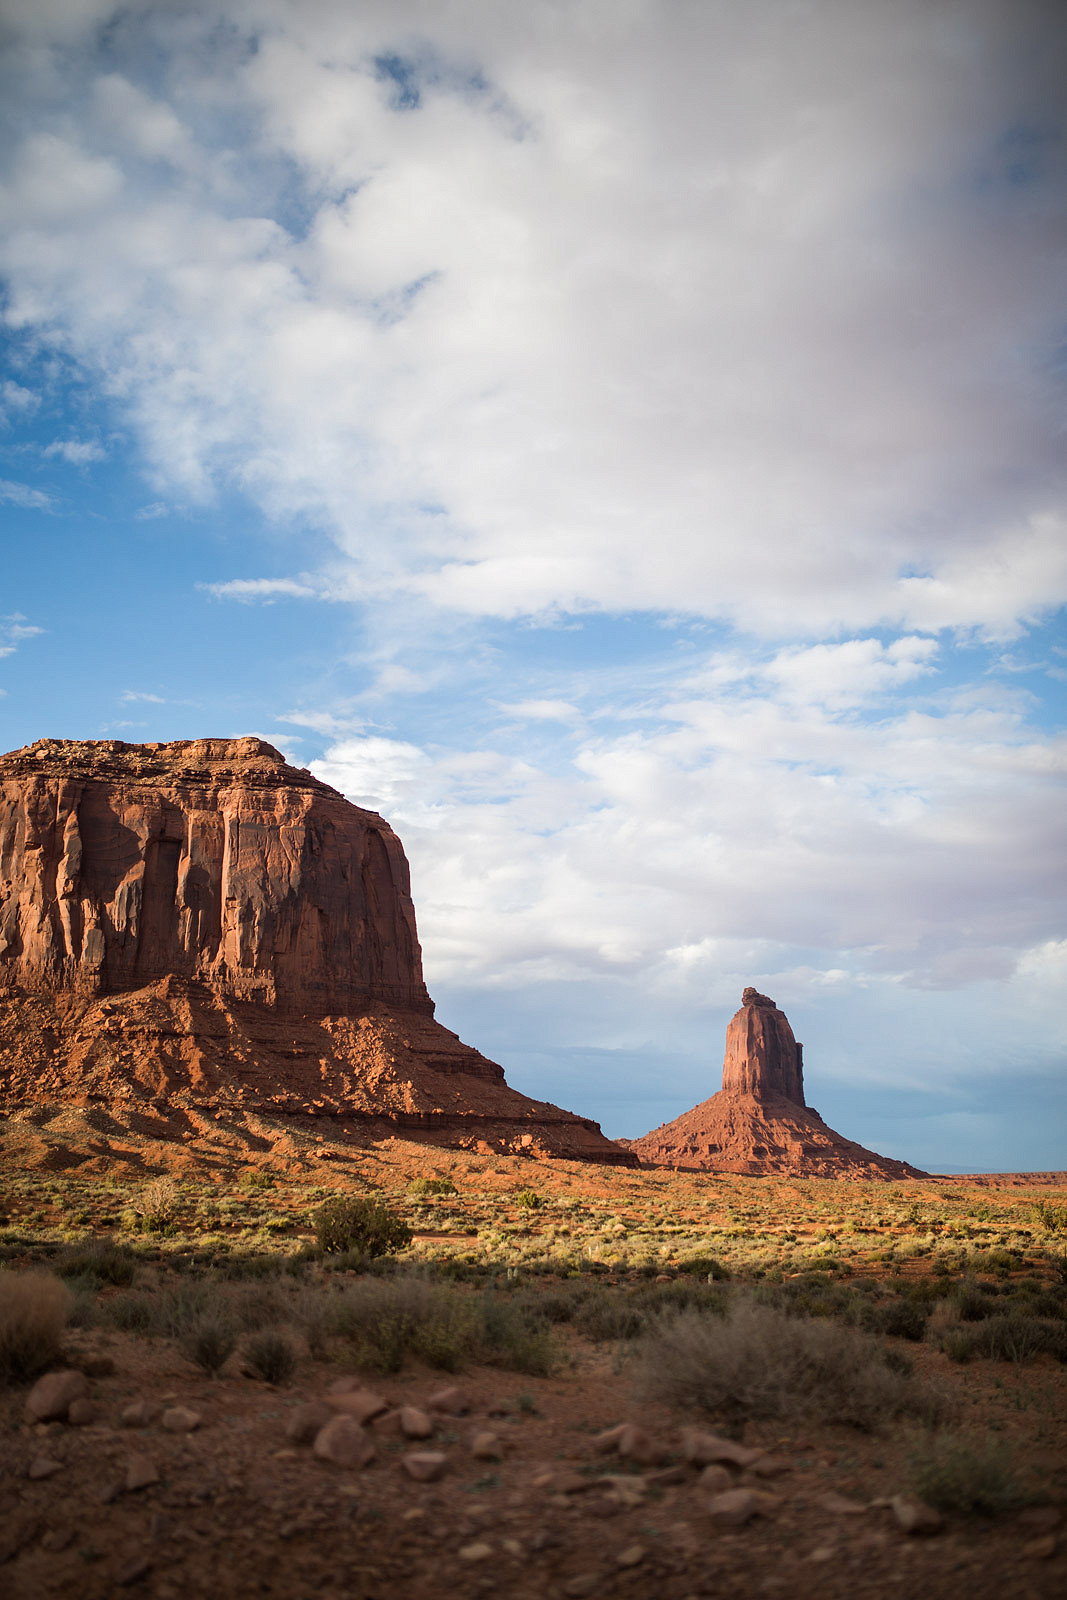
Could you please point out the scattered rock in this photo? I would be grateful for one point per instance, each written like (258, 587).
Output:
(140, 1473)
(634, 1444)
(57, 1539)
(414, 1423)
(1041, 1549)
(96, 1366)
(343, 1442)
(307, 1420)
(479, 1551)
(607, 1442)
(43, 1467)
(180, 1419)
(716, 1479)
(663, 1477)
(770, 1466)
(823, 1552)
(361, 1405)
(735, 1507)
(582, 1584)
(914, 1516)
(632, 1556)
(81, 1412)
(51, 1396)
(425, 1466)
(487, 1446)
(703, 1448)
(452, 1401)
(138, 1414)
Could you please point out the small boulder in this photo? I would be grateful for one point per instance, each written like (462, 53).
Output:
(716, 1479)
(702, 1448)
(1041, 1549)
(138, 1414)
(452, 1401)
(415, 1423)
(51, 1396)
(735, 1507)
(307, 1420)
(487, 1446)
(140, 1473)
(344, 1443)
(180, 1419)
(43, 1467)
(81, 1412)
(634, 1444)
(840, 1505)
(360, 1404)
(425, 1466)
(478, 1551)
(770, 1466)
(915, 1516)
(606, 1443)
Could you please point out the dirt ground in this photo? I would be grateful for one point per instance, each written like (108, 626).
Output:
(240, 1510)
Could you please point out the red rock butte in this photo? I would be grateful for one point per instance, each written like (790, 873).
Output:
(197, 925)
(758, 1123)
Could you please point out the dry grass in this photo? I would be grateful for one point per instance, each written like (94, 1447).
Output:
(757, 1361)
(966, 1472)
(35, 1307)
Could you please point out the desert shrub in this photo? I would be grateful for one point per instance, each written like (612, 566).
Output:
(974, 1300)
(529, 1200)
(511, 1339)
(259, 1306)
(758, 1361)
(1008, 1336)
(34, 1310)
(209, 1342)
(605, 1316)
(432, 1186)
(960, 1472)
(387, 1320)
(709, 1268)
(254, 1178)
(157, 1206)
(270, 1355)
(353, 1223)
(132, 1313)
(1053, 1218)
(901, 1319)
(96, 1262)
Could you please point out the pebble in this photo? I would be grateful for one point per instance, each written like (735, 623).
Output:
(771, 1466)
(1041, 1549)
(823, 1552)
(43, 1467)
(140, 1473)
(584, 1583)
(180, 1419)
(632, 1556)
(840, 1506)
(344, 1443)
(479, 1551)
(1040, 1517)
(486, 1446)
(914, 1516)
(51, 1396)
(81, 1412)
(425, 1466)
(716, 1479)
(605, 1443)
(636, 1445)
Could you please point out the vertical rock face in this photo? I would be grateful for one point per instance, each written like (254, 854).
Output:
(759, 1122)
(208, 859)
(762, 1057)
(197, 925)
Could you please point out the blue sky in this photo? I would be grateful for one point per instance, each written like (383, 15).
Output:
(623, 444)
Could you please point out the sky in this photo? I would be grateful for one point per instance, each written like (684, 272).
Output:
(620, 441)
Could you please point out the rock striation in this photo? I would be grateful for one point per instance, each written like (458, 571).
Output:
(759, 1122)
(197, 924)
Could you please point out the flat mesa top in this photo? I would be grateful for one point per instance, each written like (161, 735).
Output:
(246, 760)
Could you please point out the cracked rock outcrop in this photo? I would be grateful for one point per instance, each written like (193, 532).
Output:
(199, 922)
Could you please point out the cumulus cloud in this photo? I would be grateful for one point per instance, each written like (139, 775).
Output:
(78, 452)
(751, 315)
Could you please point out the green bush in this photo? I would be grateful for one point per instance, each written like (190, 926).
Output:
(529, 1200)
(98, 1261)
(254, 1178)
(1052, 1218)
(358, 1224)
(209, 1343)
(270, 1355)
(959, 1472)
(35, 1307)
(432, 1186)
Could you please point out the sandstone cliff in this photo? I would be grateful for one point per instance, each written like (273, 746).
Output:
(199, 924)
(758, 1122)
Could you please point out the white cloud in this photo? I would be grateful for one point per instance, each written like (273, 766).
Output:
(249, 590)
(542, 710)
(14, 630)
(14, 399)
(749, 315)
(78, 452)
(132, 694)
(20, 494)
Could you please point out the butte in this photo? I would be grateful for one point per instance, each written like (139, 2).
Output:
(195, 934)
(758, 1124)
